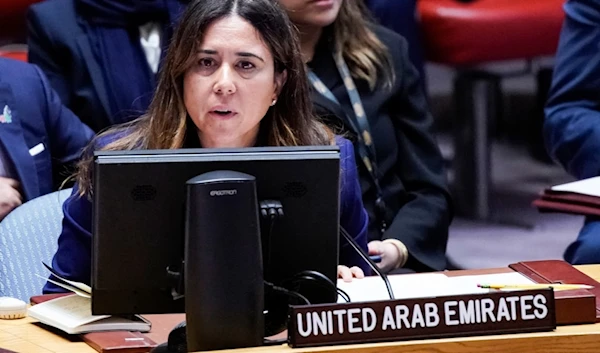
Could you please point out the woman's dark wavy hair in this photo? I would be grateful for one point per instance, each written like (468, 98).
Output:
(367, 57)
(290, 122)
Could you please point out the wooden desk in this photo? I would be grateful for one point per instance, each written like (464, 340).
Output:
(23, 336)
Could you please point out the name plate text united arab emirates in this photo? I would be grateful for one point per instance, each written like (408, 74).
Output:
(434, 317)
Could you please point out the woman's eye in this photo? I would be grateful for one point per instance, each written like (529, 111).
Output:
(246, 65)
(206, 62)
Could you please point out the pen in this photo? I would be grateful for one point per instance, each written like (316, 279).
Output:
(375, 258)
(557, 286)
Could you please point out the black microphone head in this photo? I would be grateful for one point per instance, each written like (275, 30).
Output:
(161, 348)
(177, 342)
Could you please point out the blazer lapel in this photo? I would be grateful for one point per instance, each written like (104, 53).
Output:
(332, 115)
(14, 145)
(95, 72)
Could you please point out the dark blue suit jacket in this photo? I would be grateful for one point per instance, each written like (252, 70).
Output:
(73, 258)
(572, 126)
(60, 47)
(401, 17)
(37, 119)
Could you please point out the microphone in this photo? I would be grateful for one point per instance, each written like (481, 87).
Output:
(366, 257)
(176, 343)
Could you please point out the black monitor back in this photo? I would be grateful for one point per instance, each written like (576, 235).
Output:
(139, 212)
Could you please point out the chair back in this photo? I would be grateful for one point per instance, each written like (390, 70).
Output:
(12, 20)
(28, 237)
(14, 51)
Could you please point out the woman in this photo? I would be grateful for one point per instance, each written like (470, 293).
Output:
(364, 84)
(233, 77)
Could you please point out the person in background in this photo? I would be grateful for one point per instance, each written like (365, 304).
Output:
(39, 137)
(365, 85)
(401, 17)
(572, 125)
(233, 77)
(102, 56)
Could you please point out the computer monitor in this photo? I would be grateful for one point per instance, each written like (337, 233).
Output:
(139, 209)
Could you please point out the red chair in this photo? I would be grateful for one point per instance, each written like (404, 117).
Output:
(468, 35)
(14, 53)
(12, 20)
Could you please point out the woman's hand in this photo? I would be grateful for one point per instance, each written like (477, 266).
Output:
(347, 274)
(390, 254)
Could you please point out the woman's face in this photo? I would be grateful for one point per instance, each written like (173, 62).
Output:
(315, 13)
(231, 85)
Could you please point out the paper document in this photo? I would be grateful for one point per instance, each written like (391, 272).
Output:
(71, 311)
(73, 314)
(589, 187)
(423, 285)
(78, 288)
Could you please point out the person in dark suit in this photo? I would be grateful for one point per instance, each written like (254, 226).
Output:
(101, 56)
(401, 17)
(572, 125)
(365, 84)
(243, 85)
(39, 137)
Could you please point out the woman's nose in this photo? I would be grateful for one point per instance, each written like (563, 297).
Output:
(224, 83)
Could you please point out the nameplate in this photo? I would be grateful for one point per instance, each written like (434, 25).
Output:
(434, 317)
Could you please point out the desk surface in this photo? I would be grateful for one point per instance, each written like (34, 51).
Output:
(24, 336)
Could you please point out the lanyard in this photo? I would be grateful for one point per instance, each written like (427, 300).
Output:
(359, 124)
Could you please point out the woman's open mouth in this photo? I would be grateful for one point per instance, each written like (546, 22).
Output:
(222, 113)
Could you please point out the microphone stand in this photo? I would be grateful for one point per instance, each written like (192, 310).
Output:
(366, 257)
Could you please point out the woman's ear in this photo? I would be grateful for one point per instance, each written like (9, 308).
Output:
(280, 80)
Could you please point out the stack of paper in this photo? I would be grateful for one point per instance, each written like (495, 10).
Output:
(423, 285)
(580, 197)
(73, 313)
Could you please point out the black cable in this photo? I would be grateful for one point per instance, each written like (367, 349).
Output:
(312, 276)
(271, 211)
(344, 295)
(287, 292)
(272, 220)
(369, 261)
(315, 276)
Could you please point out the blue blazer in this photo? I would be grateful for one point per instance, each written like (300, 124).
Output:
(60, 47)
(73, 257)
(572, 126)
(40, 130)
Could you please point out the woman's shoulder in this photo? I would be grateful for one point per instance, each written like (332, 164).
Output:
(398, 50)
(346, 150)
(58, 15)
(107, 137)
(391, 39)
(343, 143)
(110, 135)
